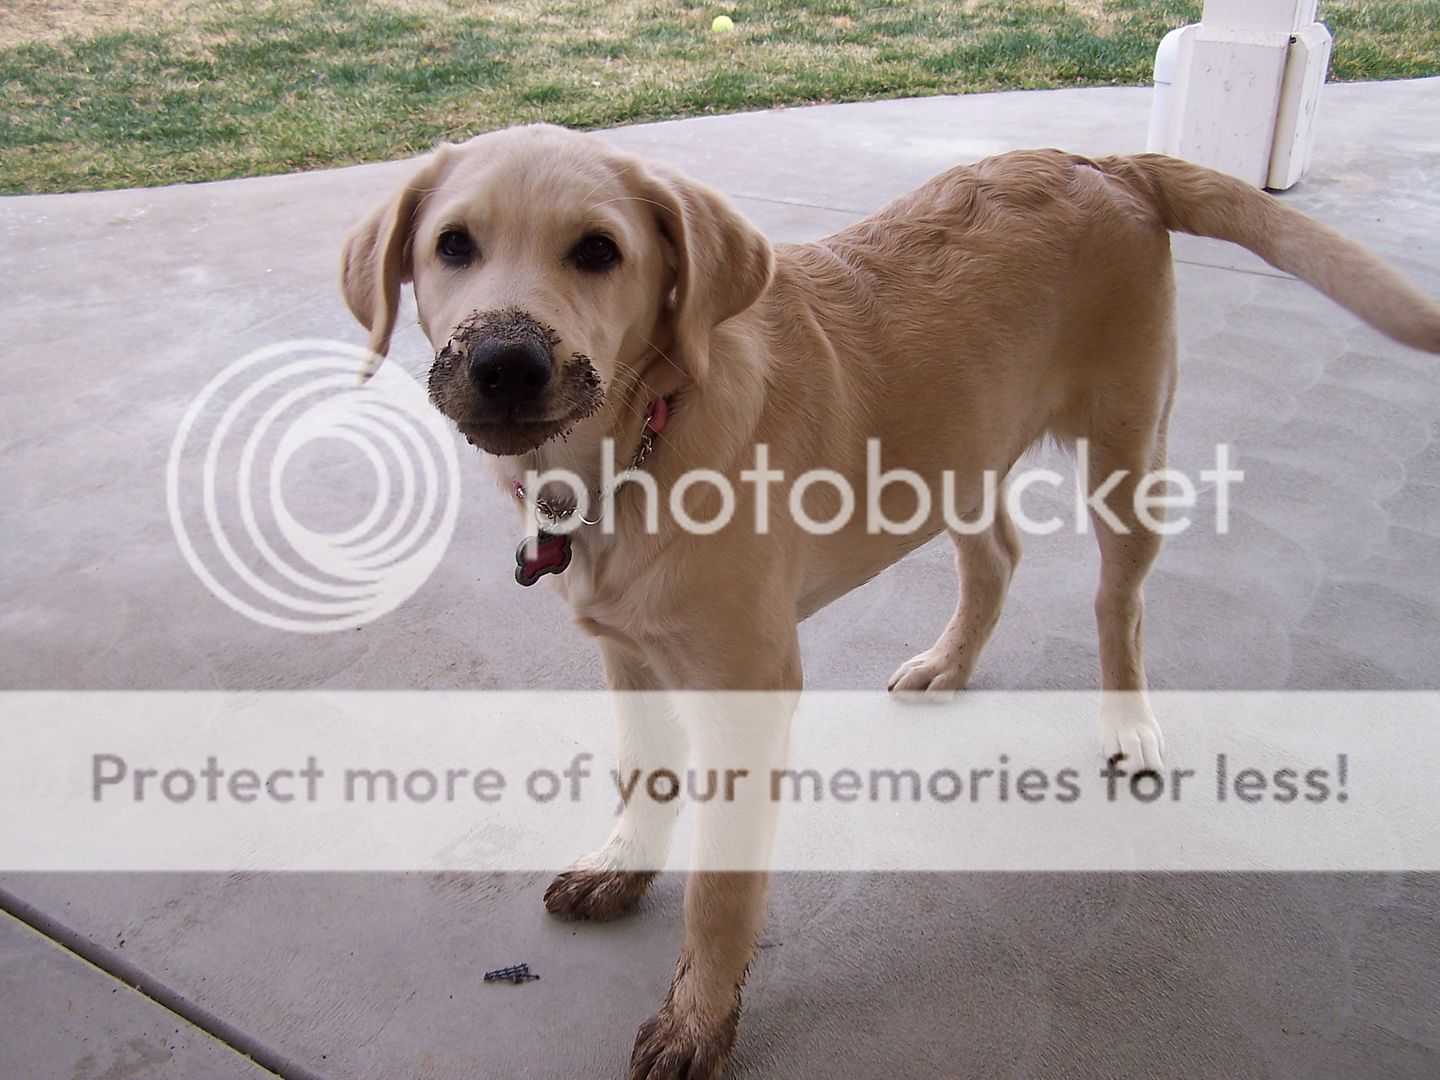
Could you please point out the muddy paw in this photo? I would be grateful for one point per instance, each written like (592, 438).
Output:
(1129, 733)
(597, 895)
(675, 1046)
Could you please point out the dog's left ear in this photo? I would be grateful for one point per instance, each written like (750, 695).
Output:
(722, 262)
(376, 259)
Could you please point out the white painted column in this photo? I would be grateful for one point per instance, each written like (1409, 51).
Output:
(1239, 90)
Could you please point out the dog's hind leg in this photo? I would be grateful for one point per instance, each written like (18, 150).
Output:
(985, 561)
(1118, 464)
(609, 882)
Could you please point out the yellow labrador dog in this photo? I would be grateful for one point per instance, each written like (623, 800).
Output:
(581, 302)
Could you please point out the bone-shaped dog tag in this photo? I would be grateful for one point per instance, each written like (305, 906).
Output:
(552, 556)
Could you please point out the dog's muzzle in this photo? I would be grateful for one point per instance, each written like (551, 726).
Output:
(499, 380)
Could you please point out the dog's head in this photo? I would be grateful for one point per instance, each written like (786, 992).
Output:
(548, 270)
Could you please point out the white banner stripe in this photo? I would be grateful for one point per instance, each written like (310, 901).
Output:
(529, 781)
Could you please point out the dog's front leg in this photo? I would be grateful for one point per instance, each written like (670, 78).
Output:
(737, 740)
(608, 882)
(693, 1033)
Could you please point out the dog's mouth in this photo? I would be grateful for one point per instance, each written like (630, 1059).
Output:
(510, 437)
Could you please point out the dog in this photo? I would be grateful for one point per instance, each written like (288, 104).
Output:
(578, 299)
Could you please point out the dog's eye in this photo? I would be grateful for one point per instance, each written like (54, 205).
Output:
(455, 246)
(596, 254)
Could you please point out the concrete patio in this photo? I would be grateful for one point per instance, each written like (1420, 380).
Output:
(119, 306)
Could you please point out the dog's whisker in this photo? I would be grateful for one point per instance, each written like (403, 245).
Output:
(628, 397)
(631, 198)
(620, 172)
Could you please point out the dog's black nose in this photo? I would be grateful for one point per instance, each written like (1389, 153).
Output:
(510, 372)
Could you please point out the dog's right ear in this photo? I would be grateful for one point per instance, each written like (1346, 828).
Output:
(376, 259)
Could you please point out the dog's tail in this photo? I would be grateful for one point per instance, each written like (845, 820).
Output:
(1203, 202)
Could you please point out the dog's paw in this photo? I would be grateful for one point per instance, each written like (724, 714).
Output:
(673, 1045)
(596, 895)
(1129, 732)
(933, 671)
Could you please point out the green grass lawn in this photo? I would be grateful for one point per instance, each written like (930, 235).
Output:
(112, 93)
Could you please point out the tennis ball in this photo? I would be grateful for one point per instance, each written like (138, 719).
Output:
(723, 24)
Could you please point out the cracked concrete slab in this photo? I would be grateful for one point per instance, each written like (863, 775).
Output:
(64, 1018)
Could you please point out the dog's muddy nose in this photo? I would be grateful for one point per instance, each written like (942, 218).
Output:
(510, 372)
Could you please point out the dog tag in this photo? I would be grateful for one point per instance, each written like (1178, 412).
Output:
(552, 556)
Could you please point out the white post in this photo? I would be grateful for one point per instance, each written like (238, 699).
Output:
(1239, 90)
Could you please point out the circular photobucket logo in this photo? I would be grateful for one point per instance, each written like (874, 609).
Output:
(305, 499)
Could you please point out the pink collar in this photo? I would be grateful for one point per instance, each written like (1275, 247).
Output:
(657, 415)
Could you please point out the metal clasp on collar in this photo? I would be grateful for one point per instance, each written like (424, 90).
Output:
(552, 550)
